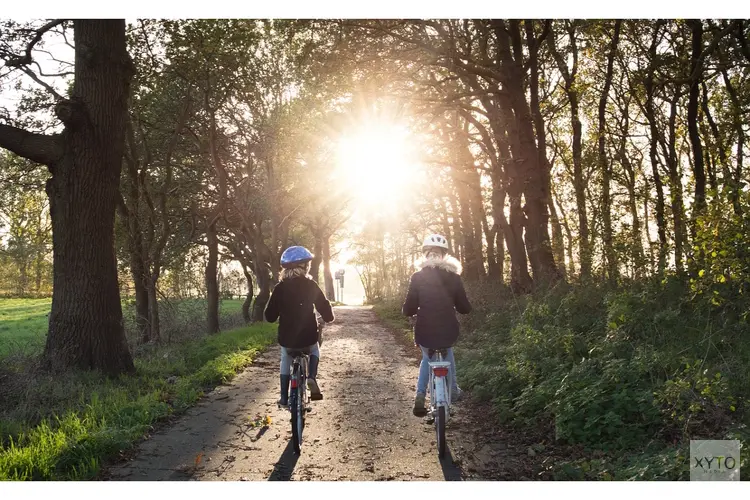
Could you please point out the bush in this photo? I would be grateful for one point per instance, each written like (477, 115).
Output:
(609, 369)
(605, 402)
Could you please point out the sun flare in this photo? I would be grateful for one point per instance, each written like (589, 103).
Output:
(377, 163)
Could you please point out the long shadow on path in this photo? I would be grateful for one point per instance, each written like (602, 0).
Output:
(284, 468)
(451, 472)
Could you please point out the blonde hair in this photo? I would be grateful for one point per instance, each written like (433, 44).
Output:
(295, 272)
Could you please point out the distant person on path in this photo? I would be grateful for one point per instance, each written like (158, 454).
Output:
(436, 293)
(293, 302)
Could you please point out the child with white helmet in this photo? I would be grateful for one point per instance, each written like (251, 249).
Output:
(293, 303)
(436, 293)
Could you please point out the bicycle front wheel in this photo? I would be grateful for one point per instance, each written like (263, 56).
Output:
(440, 430)
(297, 408)
(295, 418)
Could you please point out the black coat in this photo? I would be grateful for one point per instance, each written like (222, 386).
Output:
(292, 302)
(435, 294)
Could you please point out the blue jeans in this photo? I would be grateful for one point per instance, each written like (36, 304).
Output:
(286, 359)
(424, 371)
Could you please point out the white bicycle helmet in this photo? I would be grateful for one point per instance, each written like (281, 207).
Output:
(436, 240)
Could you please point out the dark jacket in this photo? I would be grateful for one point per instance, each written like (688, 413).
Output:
(292, 304)
(435, 293)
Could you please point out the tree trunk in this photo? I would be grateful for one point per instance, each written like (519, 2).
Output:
(510, 184)
(23, 277)
(327, 276)
(317, 257)
(85, 323)
(478, 219)
(142, 321)
(38, 275)
(265, 281)
(558, 243)
(472, 257)
(653, 143)
(541, 137)
(494, 268)
(637, 255)
(735, 179)
(718, 145)
(212, 284)
(604, 165)
(446, 225)
(696, 71)
(536, 180)
(458, 248)
(153, 309)
(579, 186)
(675, 187)
(249, 297)
(568, 233)
(584, 243)
(39, 257)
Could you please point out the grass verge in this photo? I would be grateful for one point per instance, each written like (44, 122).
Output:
(65, 428)
(389, 312)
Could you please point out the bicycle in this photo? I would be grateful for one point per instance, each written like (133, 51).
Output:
(299, 399)
(439, 388)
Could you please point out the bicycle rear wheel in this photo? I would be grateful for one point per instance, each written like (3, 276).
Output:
(440, 430)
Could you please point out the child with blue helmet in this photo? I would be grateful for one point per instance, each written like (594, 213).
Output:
(293, 302)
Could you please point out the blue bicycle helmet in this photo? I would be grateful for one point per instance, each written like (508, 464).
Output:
(294, 256)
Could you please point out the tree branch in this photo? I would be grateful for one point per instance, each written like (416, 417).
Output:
(44, 84)
(40, 148)
(26, 58)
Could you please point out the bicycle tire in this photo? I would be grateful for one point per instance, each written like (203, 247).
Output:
(301, 415)
(295, 415)
(440, 430)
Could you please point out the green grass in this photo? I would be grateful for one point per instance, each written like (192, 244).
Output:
(23, 324)
(389, 313)
(65, 428)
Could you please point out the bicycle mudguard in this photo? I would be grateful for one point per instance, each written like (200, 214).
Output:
(440, 396)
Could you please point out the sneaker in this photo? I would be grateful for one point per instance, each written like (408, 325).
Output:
(419, 409)
(315, 393)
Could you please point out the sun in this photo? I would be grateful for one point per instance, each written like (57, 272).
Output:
(377, 162)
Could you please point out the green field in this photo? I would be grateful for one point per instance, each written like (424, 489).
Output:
(23, 322)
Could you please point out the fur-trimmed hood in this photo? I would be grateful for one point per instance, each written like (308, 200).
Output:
(447, 263)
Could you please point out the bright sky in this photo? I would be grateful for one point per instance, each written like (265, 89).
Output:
(56, 47)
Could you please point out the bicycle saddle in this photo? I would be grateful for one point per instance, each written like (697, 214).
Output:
(297, 352)
(442, 350)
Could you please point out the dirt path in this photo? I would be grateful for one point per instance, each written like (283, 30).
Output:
(363, 430)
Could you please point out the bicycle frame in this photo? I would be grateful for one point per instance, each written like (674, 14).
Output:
(298, 381)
